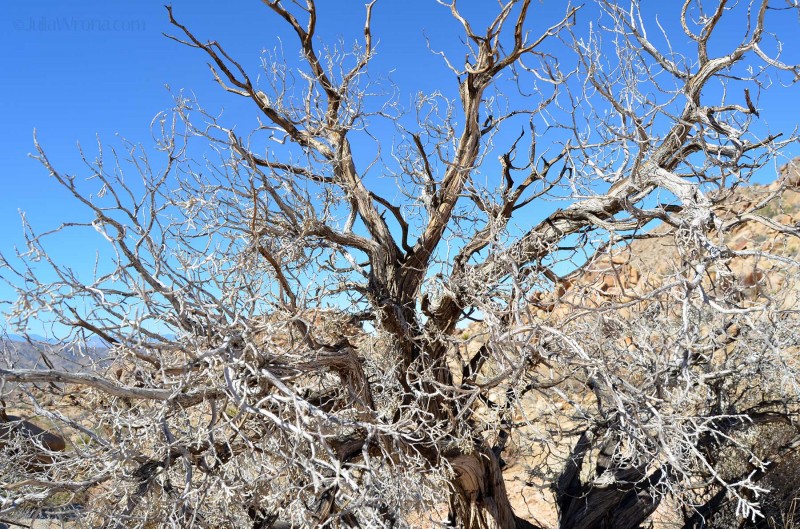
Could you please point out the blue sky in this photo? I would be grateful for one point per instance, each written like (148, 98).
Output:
(76, 71)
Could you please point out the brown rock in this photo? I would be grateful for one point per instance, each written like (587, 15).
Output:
(739, 244)
(42, 442)
(790, 173)
(13, 425)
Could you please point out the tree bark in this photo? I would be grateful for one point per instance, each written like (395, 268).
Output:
(624, 503)
(479, 499)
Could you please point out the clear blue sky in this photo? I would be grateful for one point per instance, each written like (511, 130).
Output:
(78, 70)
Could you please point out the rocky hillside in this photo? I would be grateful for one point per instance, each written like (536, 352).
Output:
(753, 221)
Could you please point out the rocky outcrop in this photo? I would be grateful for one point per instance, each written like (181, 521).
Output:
(35, 440)
(789, 174)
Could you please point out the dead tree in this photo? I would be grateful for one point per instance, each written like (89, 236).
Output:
(308, 333)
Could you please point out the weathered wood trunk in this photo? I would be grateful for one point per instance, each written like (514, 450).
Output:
(624, 500)
(480, 500)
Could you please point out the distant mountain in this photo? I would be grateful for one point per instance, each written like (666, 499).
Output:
(30, 353)
(30, 337)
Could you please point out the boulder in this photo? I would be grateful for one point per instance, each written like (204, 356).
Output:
(12, 426)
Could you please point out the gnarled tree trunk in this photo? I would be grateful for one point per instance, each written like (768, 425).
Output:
(479, 499)
(624, 501)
